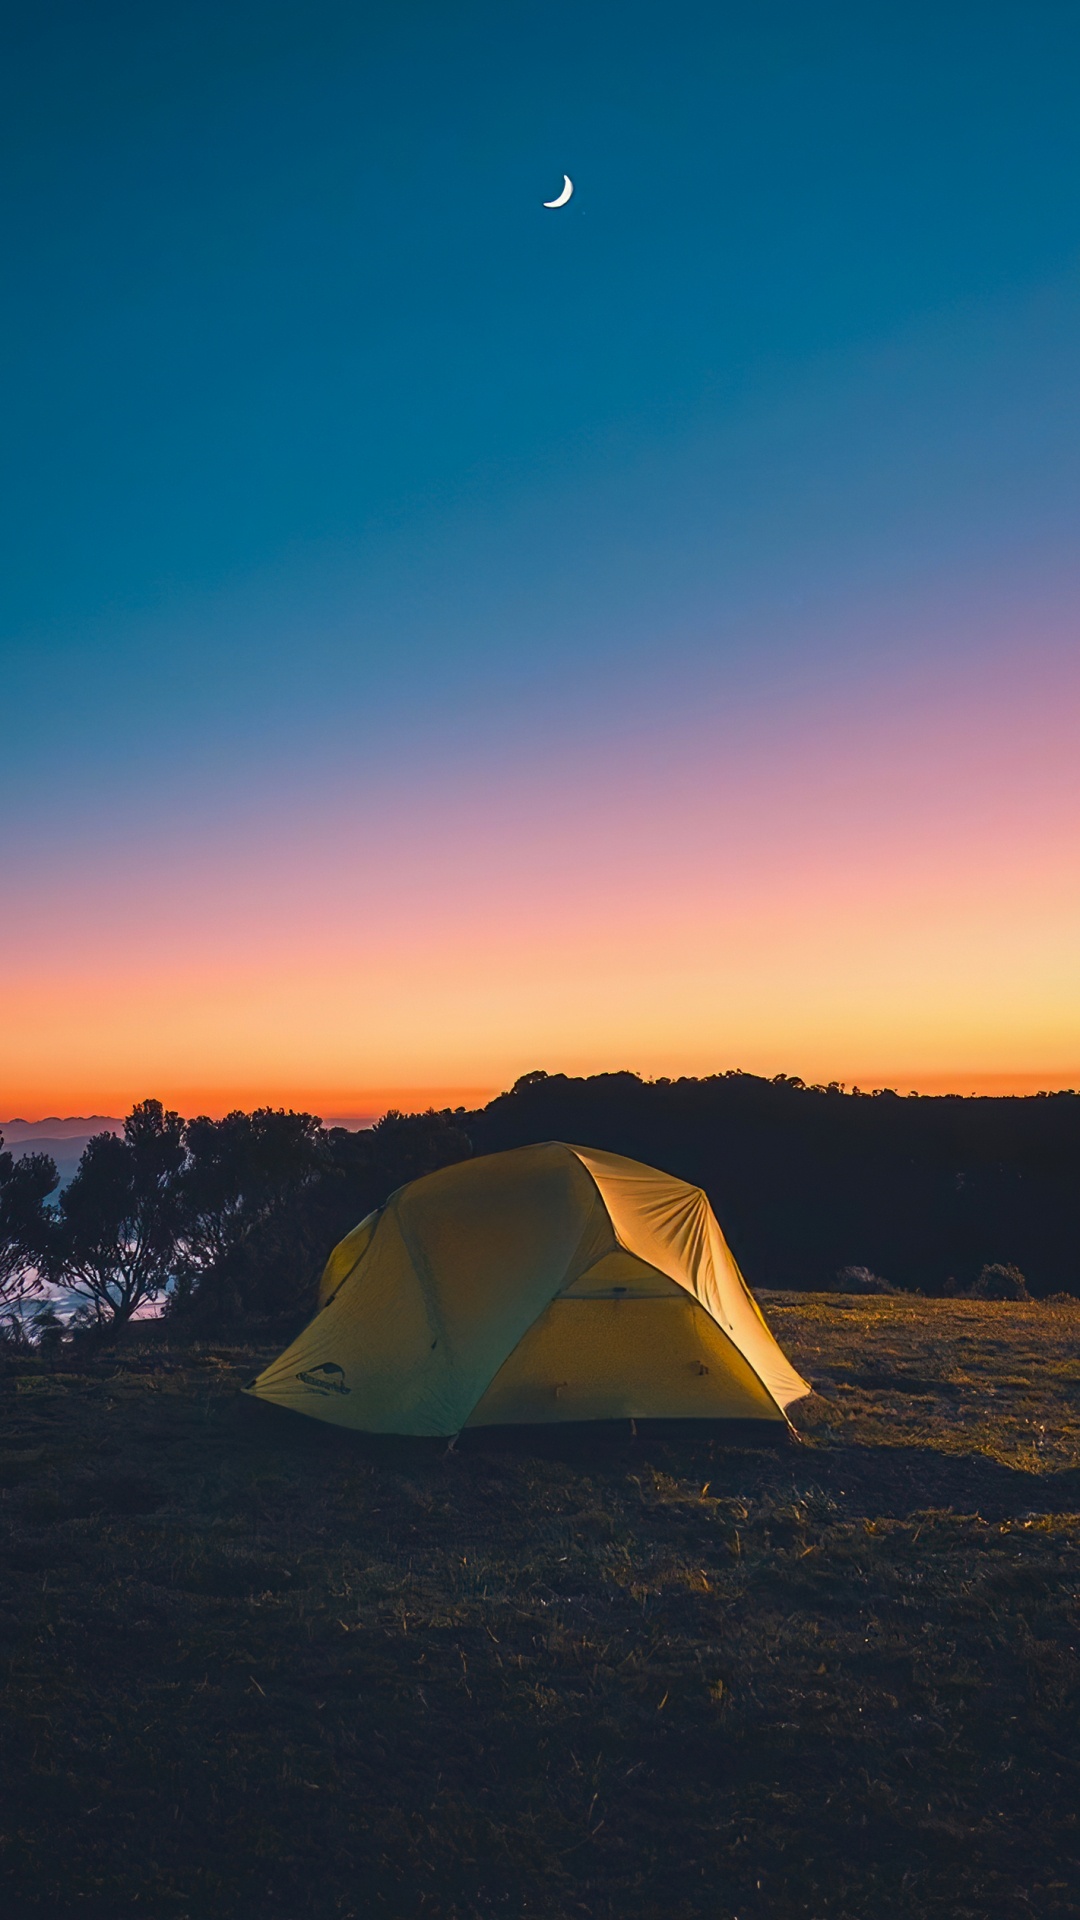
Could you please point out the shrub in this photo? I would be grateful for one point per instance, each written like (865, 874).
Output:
(999, 1283)
(860, 1280)
(15, 1338)
(49, 1331)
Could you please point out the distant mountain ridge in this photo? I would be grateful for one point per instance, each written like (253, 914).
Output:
(62, 1140)
(76, 1127)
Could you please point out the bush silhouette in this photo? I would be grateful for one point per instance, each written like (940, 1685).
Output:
(860, 1280)
(1000, 1283)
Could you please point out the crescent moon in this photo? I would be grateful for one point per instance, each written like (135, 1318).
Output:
(567, 190)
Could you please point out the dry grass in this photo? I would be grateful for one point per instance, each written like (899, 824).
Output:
(255, 1666)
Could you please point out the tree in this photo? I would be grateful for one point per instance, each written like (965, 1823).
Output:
(405, 1146)
(115, 1240)
(25, 1186)
(242, 1183)
(267, 1195)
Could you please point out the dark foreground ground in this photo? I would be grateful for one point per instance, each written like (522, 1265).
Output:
(254, 1666)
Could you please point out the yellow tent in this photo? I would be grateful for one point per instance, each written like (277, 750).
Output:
(548, 1283)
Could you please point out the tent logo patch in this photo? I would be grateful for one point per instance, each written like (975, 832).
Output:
(325, 1379)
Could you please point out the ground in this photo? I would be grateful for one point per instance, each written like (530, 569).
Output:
(257, 1666)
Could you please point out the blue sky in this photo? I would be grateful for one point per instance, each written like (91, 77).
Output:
(279, 276)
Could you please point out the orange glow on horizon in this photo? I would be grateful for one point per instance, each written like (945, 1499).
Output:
(362, 1108)
(903, 888)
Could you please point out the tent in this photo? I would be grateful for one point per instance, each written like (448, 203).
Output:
(548, 1283)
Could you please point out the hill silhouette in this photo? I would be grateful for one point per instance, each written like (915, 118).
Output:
(231, 1221)
(924, 1190)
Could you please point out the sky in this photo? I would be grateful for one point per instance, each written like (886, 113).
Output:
(442, 637)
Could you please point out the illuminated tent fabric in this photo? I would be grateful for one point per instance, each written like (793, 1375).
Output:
(547, 1283)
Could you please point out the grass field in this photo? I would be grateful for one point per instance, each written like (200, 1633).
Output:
(255, 1666)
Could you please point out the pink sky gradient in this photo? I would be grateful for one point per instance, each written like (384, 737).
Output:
(876, 883)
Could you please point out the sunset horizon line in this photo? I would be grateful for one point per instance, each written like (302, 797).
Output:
(365, 1106)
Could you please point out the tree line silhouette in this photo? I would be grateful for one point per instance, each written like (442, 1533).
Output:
(925, 1191)
(229, 1222)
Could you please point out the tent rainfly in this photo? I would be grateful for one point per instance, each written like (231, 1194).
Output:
(547, 1283)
